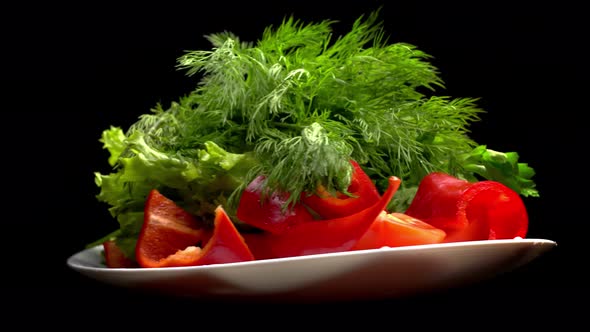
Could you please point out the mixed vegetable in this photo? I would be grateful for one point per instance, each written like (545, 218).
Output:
(302, 144)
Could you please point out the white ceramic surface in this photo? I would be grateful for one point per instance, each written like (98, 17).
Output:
(368, 274)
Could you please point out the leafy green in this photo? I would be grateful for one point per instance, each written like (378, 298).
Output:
(295, 106)
(502, 167)
(198, 182)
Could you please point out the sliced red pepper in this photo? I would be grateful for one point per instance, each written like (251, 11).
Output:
(363, 190)
(170, 236)
(270, 214)
(114, 256)
(226, 245)
(398, 229)
(469, 211)
(259, 244)
(326, 236)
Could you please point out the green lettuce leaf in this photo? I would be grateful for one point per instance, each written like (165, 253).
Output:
(502, 167)
(198, 184)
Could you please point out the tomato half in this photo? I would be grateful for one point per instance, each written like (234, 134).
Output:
(398, 229)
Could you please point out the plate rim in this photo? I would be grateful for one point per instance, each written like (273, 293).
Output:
(323, 277)
(73, 260)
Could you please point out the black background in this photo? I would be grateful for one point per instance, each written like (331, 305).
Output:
(69, 72)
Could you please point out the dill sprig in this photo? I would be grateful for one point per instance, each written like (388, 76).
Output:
(304, 103)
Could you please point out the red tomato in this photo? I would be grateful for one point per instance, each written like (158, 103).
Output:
(398, 229)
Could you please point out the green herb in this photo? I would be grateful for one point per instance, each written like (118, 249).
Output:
(295, 106)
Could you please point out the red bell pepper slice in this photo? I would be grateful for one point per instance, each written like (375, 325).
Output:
(468, 211)
(226, 245)
(260, 244)
(170, 236)
(398, 229)
(323, 236)
(363, 190)
(114, 256)
(269, 215)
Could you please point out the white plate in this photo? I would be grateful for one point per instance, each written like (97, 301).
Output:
(367, 274)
